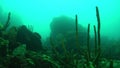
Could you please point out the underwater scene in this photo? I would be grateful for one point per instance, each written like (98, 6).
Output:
(59, 33)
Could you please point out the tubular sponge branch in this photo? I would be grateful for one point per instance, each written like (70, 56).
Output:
(95, 38)
(76, 24)
(99, 47)
(7, 22)
(98, 19)
(88, 42)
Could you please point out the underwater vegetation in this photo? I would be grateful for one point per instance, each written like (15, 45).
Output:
(69, 46)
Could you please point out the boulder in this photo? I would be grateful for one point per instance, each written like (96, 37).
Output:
(32, 40)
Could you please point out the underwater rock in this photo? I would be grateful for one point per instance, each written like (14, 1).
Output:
(61, 25)
(65, 26)
(32, 40)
